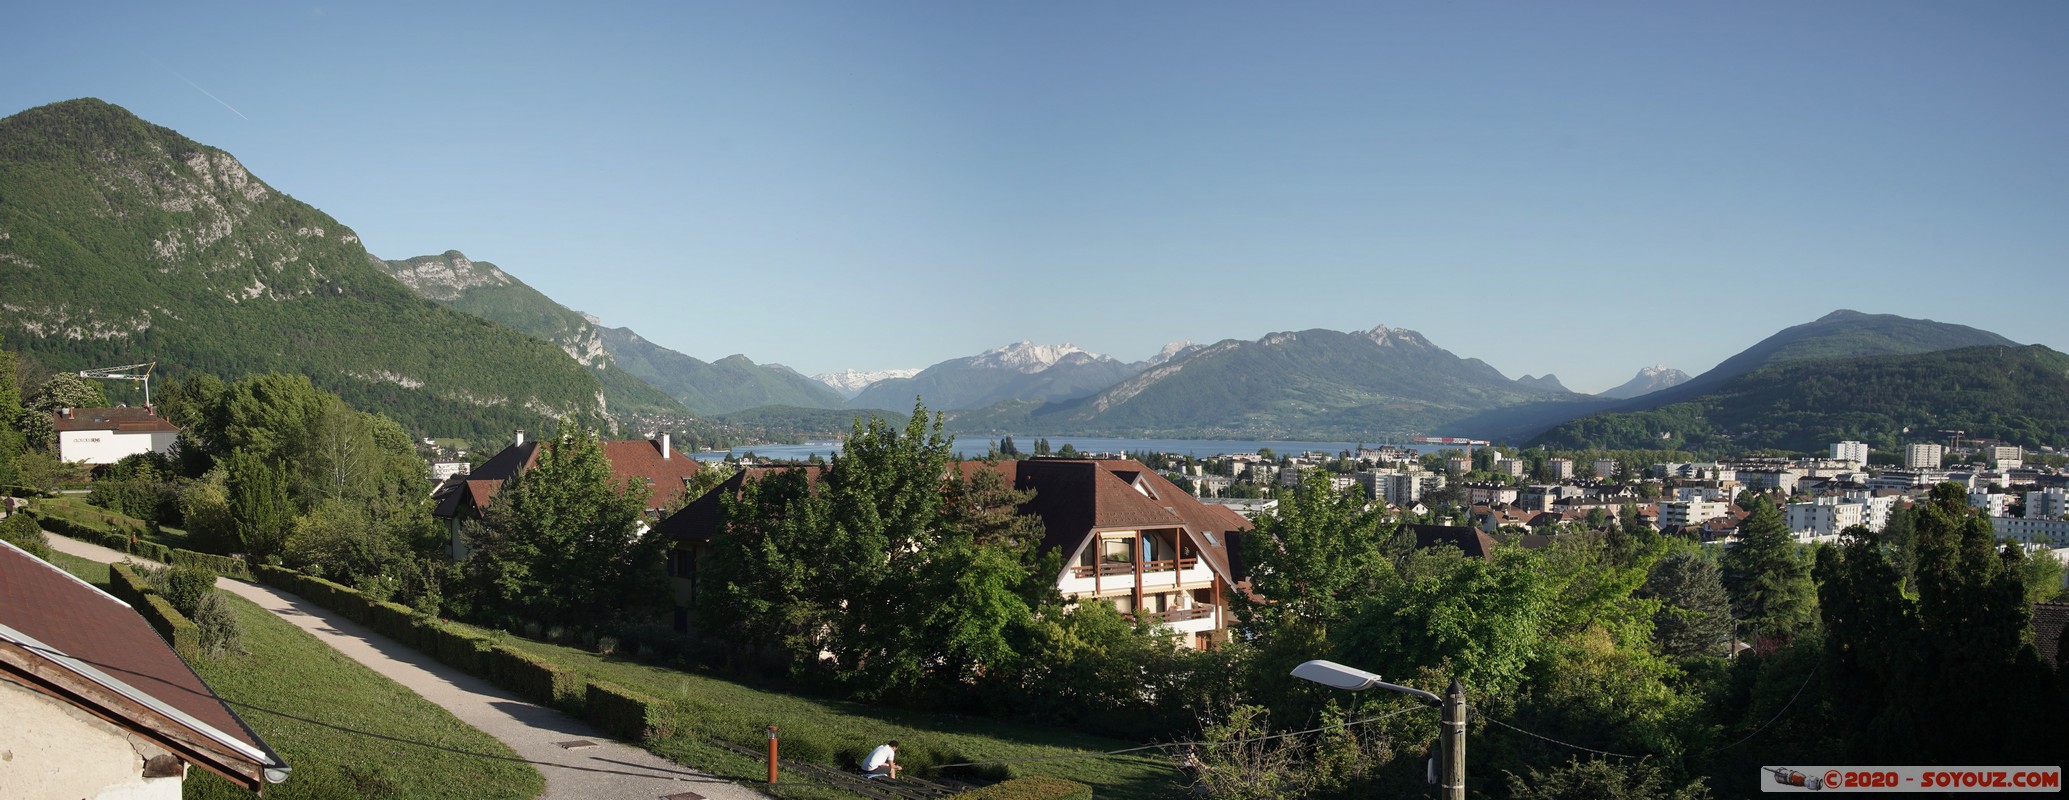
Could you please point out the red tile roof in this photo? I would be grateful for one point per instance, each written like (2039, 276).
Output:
(47, 611)
(636, 459)
(124, 419)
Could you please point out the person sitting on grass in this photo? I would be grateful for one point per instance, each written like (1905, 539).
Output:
(882, 762)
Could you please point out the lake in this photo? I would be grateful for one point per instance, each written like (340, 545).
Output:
(975, 447)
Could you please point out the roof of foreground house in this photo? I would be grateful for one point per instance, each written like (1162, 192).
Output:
(67, 639)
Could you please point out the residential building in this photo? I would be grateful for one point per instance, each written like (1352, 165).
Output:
(1512, 467)
(1689, 513)
(1824, 517)
(1855, 452)
(106, 435)
(441, 470)
(1780, 480)
(2007, 457)
(1458, 465)
(1559, 469)
(1399, 489)
(98, 706)
(2052, 532)
(1128, 537)
(653, 463)
(2050, 503)
(1605, 469)
(1993, 504)
(1924, 456)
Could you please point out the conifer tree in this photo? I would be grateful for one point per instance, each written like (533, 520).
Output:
(1768, 575)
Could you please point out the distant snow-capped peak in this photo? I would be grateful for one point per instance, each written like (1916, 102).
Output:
(1029, 357)
(1171, 351)
(851, 382)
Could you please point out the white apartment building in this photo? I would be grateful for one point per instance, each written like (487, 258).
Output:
(1684, 513)
(1399, 489)
(1992, 504)
(1856, 452)
(1768, 480)
(2028, 530)
(1605, 469)
(1559, 469)
(1924, 456)
(1513, 467)
(2047, 504)
(1823, 517)
(1458, 465)
(2007, 457)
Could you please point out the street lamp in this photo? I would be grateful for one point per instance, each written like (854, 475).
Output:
(1453, 741)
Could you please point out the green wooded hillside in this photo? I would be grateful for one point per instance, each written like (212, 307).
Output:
(2017, 394)
(122, 241)
(482, 289)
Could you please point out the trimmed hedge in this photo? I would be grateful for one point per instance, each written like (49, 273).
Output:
(1032, 787)
(533, 678)
(124, 539)
(462, 651)
(178, 631)
(626, 714)
(220, 565)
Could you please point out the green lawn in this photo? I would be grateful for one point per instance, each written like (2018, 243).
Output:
(834, 732)
(346, 730)
(93, 572)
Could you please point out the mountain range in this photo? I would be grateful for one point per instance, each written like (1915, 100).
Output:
(121, 242)
(638, 376)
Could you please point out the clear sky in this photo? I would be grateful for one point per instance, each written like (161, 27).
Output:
(1577, 188)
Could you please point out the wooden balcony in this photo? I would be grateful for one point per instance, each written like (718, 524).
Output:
(1128, 568)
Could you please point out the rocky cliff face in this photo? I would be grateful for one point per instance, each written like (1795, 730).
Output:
(485, 290)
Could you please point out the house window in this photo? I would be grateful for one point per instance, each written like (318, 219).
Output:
(1121, 550)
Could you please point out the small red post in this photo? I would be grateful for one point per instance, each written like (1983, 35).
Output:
(772, 755)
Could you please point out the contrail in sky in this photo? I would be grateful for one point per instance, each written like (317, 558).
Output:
(197, 87)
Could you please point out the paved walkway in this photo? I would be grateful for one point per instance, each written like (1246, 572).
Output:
(610, 770)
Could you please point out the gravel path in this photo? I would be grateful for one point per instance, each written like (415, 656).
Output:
(607, 770)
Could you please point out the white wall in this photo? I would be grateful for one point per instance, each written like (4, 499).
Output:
(54, 749)
(108, 447)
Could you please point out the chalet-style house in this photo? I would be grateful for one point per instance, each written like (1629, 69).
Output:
(97, 705)
(99, 436)
(1130, 538)
(653, 462)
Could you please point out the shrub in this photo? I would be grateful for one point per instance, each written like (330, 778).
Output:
(217, 627)
(184, 586)
(20, 530)
(1032, 787)
(625, 714)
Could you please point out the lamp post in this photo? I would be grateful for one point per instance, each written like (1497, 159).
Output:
(1451, 743)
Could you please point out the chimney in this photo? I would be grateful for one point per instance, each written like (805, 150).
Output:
(664, 446)
(65, 412)
(520, 437)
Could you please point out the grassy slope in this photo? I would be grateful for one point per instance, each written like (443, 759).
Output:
(834, 732)
(398, 745)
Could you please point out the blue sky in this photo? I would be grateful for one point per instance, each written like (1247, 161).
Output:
(1579, 188)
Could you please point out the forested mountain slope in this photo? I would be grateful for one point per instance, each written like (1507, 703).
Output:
(122, 242)
(2017, 394)
(482, 289)
(729, 384)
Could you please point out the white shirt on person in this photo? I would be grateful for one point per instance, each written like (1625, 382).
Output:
(883, 754)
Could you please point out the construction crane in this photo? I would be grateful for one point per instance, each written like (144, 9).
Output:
(140, 373)
(1451, 440)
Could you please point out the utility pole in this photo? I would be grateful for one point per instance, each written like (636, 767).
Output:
(1453, 774)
